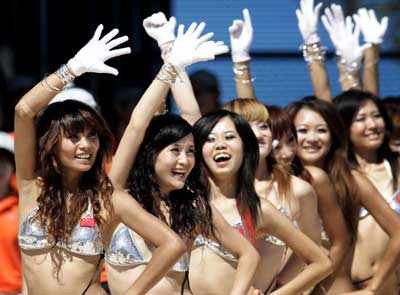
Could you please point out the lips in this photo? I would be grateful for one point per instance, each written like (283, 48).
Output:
(311, 149)
(83, 156)
(181, 175)
(222, 157)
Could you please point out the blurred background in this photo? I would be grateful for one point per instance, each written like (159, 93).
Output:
(37, 36)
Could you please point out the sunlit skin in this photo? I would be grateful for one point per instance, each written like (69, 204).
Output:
(174, 163)
(285, 151)
(223, 142)
(76, 154)
(262, 131)
(367, 131)
(313, 137)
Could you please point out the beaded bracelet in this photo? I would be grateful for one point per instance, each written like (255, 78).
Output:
(313, 52)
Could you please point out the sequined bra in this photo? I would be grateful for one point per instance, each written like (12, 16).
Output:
(218, 248)
(85, 238)
(127, 248)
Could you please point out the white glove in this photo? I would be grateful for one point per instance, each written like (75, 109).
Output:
(92, 56)
(345, 37)
(158, 28)
(190, 48)
(241, 33)
(372, 30)
(307, 17)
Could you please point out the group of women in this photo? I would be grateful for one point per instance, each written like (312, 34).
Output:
(245, 200)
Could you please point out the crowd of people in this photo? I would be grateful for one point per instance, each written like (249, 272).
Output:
(240, 199)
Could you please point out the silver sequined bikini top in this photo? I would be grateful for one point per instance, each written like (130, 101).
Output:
(127, 248)
(85, 238)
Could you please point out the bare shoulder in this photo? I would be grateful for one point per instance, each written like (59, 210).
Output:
(319, 176)
(301, 188)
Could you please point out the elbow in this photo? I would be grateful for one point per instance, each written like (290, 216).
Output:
(177, 246)
(326, 267)
(23, 111)
(252, 257)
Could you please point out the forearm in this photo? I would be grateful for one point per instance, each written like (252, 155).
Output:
(185, 100)
(320, 81)
(371, 72)
(310, 276)
(243, 80)
(337, 253)
(245, 271)
(161, 262)
(135, 131)
(38, 97)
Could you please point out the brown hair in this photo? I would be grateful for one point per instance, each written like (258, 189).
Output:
(58, 216)
(282, 126)
(253, 110)
(335, 163)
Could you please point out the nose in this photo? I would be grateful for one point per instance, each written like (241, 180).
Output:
(220, 144)
(371, 123)
(311, 136)
(183, 159)
(84, 142)
(287, 152)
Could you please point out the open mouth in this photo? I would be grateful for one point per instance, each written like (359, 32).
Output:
(179, 174)
(83, 156)
(222, 158)
(311, 149)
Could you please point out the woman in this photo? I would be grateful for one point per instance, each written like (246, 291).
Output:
(68, 206)
(321, 143)
(368, 128)
(155, 162)
(229, 168)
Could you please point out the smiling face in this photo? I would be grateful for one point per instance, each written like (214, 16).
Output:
(77, 153)
(367, 130)
(262, 131)
(285, 151)
(313, 137)
(174, 163)
(223, 149)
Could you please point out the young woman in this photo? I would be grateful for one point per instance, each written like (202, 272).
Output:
(241, 33)
(228, 152)
(157, 166)
(322, 143)
(368, 128)
(68, 206)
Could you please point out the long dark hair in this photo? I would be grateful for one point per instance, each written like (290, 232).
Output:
(335, 162)
(189, 207)
(66, 119)
(348, 104)
(245, 194)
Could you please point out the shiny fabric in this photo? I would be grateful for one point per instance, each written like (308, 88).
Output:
(84, 240)
(216, 247)
(127, 248)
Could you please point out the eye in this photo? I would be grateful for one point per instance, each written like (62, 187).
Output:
(301, 130)
(377, 115)
(322, 130)
(93, 135)
(74, 137)
(359, 119)
(264, 126)
(230, 136)
(210, 138)
(190, 151)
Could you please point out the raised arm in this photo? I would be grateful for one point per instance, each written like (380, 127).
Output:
(188, 48)
(388, 220)
(313, 51)
(235, 243)
(318, 265)
(241, 36)
(373, 32)
(90, 58)
(169, 247)
(345, 38)
(163, 32)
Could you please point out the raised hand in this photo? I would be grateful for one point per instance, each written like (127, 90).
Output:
(158, 28)
(92, 56)
(372, 29)
(241, 35)
(307, 17)
(189, 47)
(345, 37)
